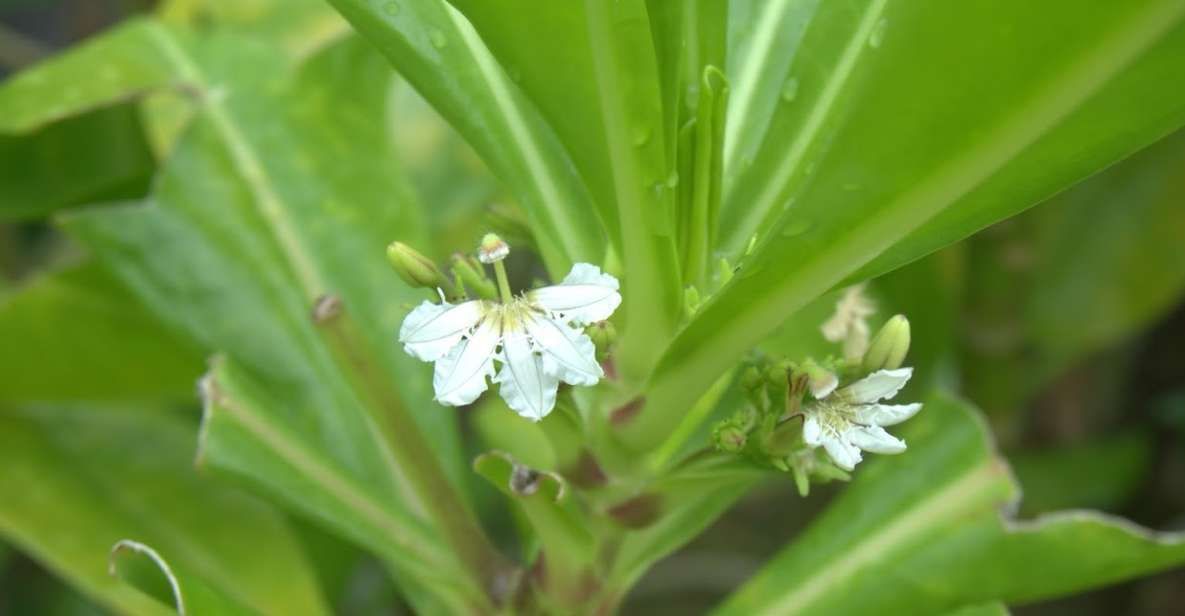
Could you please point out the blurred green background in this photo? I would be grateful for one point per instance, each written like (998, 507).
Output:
(1065, 324)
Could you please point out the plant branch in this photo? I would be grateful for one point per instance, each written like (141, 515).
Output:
(442, 503)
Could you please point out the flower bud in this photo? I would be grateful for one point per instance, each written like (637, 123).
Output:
(414, 268)
(470, 273)
(602, 334)
(888, 348)
(729, 437)
(492, 249)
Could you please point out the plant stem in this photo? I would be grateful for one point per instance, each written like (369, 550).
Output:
(631, 111)
(444, 506)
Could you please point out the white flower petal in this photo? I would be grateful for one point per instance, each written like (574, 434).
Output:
(525, 386)
(823, 386)
(886, 414)
(812, 432)
(586, 295)
(875, 439)
(844, 454)
(431, 330)
(568, 354)
(877, 386)
(460, 376)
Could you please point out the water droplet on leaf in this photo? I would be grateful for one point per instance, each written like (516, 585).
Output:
(790, 90)
(796, 227)
(878, 34)
(673, 179)
(641, 135)
(437, 38)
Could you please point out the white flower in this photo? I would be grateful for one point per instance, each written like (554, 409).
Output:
(849, 322)
(537, 338)
(852, 418)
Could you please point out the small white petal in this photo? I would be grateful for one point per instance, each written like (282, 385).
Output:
(824, 385)
(460, 376)
(875, 439)
(877, 386)
(886, 414)
(586, 295)
(525, 386)
(844, 454)
(431, 330)
(568, 354)
(812, 432)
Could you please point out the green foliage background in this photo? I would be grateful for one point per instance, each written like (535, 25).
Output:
(178, 189)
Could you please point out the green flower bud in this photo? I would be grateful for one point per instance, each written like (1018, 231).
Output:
(729, 437)
(602, 334)
(414, 268)
(888, 348)
(752, 379)
(470, 273)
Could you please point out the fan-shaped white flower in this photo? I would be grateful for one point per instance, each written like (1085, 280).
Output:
(852, 419)
(537, 339)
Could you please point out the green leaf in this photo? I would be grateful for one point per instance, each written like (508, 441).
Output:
(59, 332)
(592, 71)
(263, 208)
(102, 155)
(101, 72)
(1111, 249)
(76, 481)
(981, 609)
(437, 51)
(924, 533)
(143, 568)
(240, 435)
(895, 181)
(1102, 473)
(1090, 269)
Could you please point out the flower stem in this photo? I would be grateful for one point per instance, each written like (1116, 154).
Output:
(443, 506)
(503, 282)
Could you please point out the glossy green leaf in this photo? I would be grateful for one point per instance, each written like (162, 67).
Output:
(895, 181)
(59, 332)
(438, 52)
(927, 531)
(263, 208)
(98, 156)
(607, 110)
(77, 481)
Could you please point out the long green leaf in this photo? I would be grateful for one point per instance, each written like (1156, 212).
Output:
(897, 183)
(438, 51)
(264, 207)
(76, 481)
(923, 533)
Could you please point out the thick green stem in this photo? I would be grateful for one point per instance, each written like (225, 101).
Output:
(420, 468)
(631, 111)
